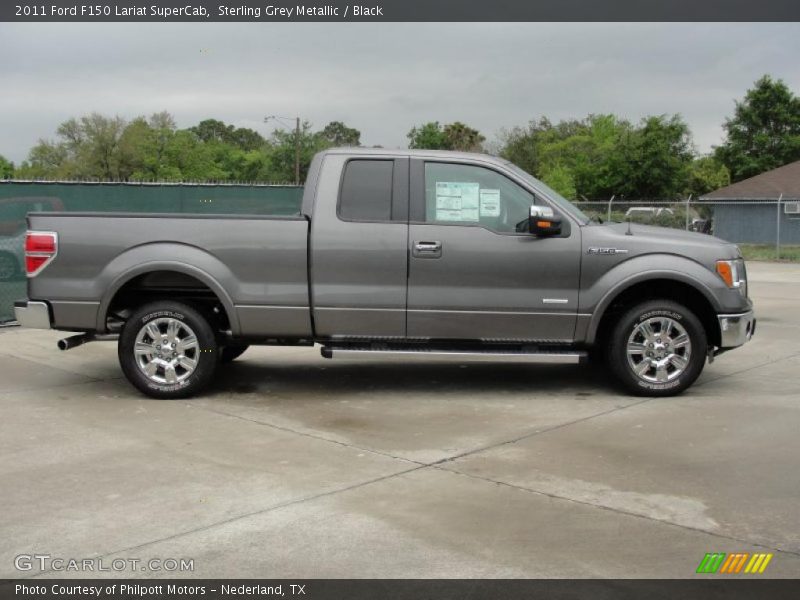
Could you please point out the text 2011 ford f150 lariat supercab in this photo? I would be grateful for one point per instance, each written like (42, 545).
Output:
(409, 254)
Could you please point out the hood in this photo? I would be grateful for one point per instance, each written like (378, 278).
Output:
(648, 239)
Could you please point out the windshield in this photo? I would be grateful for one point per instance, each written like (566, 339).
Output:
(551, 194)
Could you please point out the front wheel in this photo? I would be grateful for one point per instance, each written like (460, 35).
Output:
(657, 348)
(168, 350)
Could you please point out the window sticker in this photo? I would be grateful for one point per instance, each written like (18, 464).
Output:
(457, 201)
(490, 203)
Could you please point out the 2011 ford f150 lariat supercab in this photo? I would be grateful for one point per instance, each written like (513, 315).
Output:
(399, 254)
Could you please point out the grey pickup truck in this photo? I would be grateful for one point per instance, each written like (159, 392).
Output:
(399, 255)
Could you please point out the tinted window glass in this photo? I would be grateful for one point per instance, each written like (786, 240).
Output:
(469, 195)
(367, 190)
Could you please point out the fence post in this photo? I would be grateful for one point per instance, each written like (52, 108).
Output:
(609, 208)
(778, 230)
(688, 200)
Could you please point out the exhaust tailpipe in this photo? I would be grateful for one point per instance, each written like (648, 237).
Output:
(74, 341)
(82, 338)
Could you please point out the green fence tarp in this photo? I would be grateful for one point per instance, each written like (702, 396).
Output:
(19, 198)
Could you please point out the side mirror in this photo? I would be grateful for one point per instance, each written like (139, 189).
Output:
(543, 222)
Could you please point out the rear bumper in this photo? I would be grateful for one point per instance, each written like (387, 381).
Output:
(736, 329)
(32, 314)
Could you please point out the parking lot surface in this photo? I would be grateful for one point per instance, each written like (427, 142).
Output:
(296, 466)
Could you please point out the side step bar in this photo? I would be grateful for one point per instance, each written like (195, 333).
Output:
(550, 357)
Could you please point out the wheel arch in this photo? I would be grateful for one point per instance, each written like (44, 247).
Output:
(152, 268)
(662, 286)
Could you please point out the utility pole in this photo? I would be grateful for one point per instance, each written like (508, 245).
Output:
(778, 229)
(297, 153)
(296, 143)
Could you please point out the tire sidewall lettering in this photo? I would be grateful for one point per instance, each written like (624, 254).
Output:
(659, 313)
(160, 315)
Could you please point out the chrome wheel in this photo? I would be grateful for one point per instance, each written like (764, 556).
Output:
(166, 350)
(658, 349)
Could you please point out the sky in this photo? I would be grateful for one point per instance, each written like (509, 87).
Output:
(383, 78)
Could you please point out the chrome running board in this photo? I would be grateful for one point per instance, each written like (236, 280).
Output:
(422, 355)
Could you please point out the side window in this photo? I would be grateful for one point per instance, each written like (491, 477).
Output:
(367, 190)
(469, 195)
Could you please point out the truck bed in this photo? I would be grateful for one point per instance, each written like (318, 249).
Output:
(256, 265)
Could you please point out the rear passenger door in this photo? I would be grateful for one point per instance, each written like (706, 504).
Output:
(358, 248)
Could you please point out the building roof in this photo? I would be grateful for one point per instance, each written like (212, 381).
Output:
(768, 185)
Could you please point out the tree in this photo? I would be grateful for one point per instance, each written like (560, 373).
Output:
(453, 136)
(148, 149)
(561, 179)
(764, 132)
(246, 139)
(337, 133)
(653, 160)
(461, 137)
(45, 160)
(143, 148)
(6, 168)
(282, 151)
(88, 147)
(603, 155)
(706, 174)
(576, 151)
(428, 137)
(212, 130)
(97, 144)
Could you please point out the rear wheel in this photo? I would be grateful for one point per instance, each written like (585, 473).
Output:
(168, 350)
(657, 348)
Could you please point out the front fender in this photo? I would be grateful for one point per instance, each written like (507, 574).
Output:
(598, 295)
(188, 260)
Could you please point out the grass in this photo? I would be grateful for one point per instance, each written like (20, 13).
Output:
(767, 253)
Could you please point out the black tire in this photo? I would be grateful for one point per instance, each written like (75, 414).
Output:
(204, 354)
(231, 353)
(672, 382)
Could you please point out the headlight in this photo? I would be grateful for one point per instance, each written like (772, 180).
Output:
(733, 274)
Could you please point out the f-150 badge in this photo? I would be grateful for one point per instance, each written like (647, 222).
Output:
(607, 251)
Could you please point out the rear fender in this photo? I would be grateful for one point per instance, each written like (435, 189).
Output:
(148, 258)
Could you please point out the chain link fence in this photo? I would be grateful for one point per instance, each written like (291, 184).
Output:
(18, 198)
(769, 222)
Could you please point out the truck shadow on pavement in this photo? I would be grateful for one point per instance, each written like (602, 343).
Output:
(348, 379)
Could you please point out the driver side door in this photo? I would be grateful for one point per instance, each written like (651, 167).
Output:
(472, 275)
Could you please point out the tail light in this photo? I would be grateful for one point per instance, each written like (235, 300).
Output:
(41, 248)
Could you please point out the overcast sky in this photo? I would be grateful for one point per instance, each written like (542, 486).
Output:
(383, 78)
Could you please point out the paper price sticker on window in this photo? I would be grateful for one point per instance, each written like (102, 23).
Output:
(456, 201)
(490, 203)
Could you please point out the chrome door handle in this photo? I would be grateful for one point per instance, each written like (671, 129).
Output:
(427, 249)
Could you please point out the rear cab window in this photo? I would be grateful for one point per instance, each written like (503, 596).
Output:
(366, 190)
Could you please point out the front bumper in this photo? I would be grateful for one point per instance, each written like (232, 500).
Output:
(736, 329)
(32, 314)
